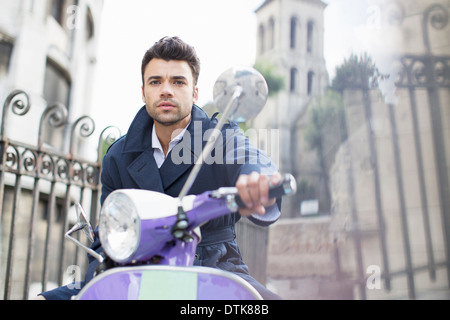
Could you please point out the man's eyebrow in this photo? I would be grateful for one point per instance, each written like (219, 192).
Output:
(156, 77)
(178, 78)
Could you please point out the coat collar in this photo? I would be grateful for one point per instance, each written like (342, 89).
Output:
(139, 140)
(139, 136)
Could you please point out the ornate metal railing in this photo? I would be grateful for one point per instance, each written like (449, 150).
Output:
(55, 180)
(426, 75)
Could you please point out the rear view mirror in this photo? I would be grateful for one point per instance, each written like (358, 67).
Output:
(83, 224)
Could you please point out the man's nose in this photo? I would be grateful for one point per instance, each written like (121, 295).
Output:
(166, 90)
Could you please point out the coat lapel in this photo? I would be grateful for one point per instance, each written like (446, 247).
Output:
(184, 155)
(145, 173)
(144, 170)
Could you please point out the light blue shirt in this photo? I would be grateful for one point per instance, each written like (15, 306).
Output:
(158, 152)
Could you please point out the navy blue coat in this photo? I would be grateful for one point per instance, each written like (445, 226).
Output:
(129, 164)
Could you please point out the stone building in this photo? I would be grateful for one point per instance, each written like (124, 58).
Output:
(290, 37)
(48, 49)
(47, 59)
(387, 235)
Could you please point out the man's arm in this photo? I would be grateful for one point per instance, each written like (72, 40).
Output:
(252, 169)
(254, 192)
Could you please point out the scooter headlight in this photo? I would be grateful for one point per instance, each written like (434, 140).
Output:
(119, 227)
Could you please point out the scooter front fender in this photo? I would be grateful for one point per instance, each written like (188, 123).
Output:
(167, 283)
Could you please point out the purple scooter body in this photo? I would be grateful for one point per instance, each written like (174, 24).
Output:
(173, 277)
(154, 250)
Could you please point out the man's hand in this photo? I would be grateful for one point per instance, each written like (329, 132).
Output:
(254, 192)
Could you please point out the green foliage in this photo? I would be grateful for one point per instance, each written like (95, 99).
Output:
(356, 72)
(275, 81)
(327, 122)
(304, 189)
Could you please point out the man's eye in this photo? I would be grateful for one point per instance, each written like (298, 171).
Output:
(179, 83)
(154, 82)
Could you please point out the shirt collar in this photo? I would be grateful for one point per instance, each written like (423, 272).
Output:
(156, 144)
(138, 137)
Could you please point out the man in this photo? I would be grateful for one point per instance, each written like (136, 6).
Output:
(159, 152)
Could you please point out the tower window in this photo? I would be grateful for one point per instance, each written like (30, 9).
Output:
(293, 80)
(271, 33)
(310, 37)
(310, 82)
(293, 35)
(261, 34)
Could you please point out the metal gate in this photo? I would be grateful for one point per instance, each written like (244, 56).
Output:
(38, 187)
(423, 85)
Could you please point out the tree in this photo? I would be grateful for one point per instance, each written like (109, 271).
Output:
(326, 129)
(357, 72)
(325, 132)
(274, 80)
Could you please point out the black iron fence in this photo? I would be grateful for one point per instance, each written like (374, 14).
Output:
(38, 187)
(417, 217)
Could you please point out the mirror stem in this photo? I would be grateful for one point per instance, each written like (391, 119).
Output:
(238, 91)
(79, 244)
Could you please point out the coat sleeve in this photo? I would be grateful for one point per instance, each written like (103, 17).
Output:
(242, 157)
(63, 293)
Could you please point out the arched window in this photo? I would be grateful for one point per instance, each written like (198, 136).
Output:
(64, 12)
(310, 37)
(310, 83)
(89, 25)
(57, 84)
(57, 88)
(271, 33)
(261, 36)
(293, 80)
(57, 10)
(6, 48)
(293, 35)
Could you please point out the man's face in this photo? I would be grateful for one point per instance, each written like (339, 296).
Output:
(169, 92)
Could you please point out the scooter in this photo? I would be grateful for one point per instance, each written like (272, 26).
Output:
(149, 253)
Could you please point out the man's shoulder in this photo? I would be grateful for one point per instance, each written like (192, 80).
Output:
(116, 146)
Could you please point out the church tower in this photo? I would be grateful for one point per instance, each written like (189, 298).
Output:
(290, 39)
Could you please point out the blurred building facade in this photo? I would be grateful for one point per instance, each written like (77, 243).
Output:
(290, 38)
(48, 49)
(47, 70)
(385, 233)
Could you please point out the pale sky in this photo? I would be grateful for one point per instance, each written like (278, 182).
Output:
(223, 33)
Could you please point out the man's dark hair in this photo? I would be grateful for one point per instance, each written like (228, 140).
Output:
(173, 48)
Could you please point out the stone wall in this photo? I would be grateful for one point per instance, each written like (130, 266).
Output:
(302, 261)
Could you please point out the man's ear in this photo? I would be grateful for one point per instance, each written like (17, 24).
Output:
(143, 93)
(195, 95)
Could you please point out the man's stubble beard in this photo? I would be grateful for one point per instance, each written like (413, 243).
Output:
(177, 117)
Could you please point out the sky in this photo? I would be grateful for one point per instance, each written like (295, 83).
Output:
(223, 33)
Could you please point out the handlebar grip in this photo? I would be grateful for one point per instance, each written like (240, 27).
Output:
(287, 186)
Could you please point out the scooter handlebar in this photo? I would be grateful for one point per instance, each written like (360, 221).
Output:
(287, 186)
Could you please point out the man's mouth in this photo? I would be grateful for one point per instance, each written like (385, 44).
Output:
(166, 106)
